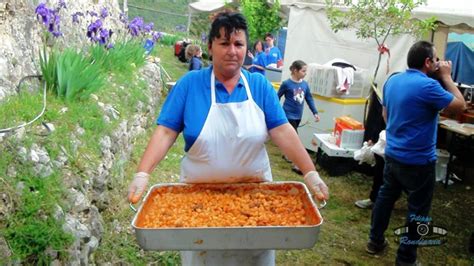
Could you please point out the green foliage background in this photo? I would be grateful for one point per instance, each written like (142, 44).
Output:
(261, 17)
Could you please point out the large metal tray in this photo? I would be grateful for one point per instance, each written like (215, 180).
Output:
(235, 238)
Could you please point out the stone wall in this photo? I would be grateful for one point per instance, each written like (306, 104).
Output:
(20, 35)
(88, 194)
(20, 40)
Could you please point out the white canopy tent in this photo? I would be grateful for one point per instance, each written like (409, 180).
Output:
(205, 6)
(311, 39)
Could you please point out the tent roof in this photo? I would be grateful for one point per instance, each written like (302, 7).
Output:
(207, 5)
(451, 13)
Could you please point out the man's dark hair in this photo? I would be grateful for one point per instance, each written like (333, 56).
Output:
(418, 54)
(269, 35)
(230, 21)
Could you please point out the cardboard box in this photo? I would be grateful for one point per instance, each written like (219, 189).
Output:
(347, 137)
(349, 122)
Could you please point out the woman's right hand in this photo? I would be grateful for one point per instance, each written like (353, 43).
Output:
(250, 54)
(138, 185)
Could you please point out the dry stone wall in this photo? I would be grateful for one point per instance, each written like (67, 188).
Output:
(20, 39)
(88, 193)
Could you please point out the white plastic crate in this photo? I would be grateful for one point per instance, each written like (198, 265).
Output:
(322, 81)
(352, 139)
(329, 109)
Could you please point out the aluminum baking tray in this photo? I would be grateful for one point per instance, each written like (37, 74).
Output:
(232, 238)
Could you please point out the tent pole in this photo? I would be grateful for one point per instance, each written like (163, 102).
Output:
(125, 7)
(189, 20)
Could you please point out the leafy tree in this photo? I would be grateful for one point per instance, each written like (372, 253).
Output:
(377, 19)
(261, 17)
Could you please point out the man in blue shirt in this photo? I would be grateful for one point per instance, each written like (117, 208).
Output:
(273, 53)
(411, 103)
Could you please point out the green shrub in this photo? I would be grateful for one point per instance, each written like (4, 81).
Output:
(78, 77)
(169, 39)
(48, 68)
(124, 58)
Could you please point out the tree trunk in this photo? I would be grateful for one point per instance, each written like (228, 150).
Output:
(377, 68)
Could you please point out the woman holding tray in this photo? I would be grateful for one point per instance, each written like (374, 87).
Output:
(226, 114)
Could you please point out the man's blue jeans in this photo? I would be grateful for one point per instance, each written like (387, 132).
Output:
(418, 182)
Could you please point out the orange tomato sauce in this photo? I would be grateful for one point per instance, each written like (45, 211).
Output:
(206, 205)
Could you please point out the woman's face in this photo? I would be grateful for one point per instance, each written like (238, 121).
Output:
(259, 47)
(300, 74)
(228, 54)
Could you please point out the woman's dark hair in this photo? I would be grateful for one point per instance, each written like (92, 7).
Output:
(255, 45)
(297, 65)
(418, 54)
(230, 21)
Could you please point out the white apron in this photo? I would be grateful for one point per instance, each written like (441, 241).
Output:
(229, 149)
(231, 145)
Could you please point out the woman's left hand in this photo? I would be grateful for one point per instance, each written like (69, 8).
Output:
(316, 185)
(316, 118)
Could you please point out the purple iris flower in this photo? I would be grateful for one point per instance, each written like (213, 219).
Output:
(57, 33)
(105, 35)
(148, 27)
(75, 17)
(93, 29)
(43, 12)
(123, 18)
(156, 35)
(109, 46)
(135, 26)
(61, 4)
(50, 18)
(92, 13)
(104, 12)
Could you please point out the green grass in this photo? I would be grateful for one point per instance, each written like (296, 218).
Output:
(162, 20)
(172, 65)
(344, 232)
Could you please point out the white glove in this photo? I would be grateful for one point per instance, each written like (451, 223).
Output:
(379, 147)
(365, 154)
(138, 185)
(316, 185)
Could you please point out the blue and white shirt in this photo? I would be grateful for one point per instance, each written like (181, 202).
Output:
(296, 93)
(188, 103)
(273, 56)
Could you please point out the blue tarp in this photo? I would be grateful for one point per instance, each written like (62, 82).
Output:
(462, 57)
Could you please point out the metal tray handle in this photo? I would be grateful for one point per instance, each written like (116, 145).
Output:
(132, 207)
(320, 204)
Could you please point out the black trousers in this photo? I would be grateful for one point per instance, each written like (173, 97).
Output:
(378, 177)
(294, 123)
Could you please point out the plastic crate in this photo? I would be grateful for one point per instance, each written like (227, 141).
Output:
(334, 166)
(322, 81)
